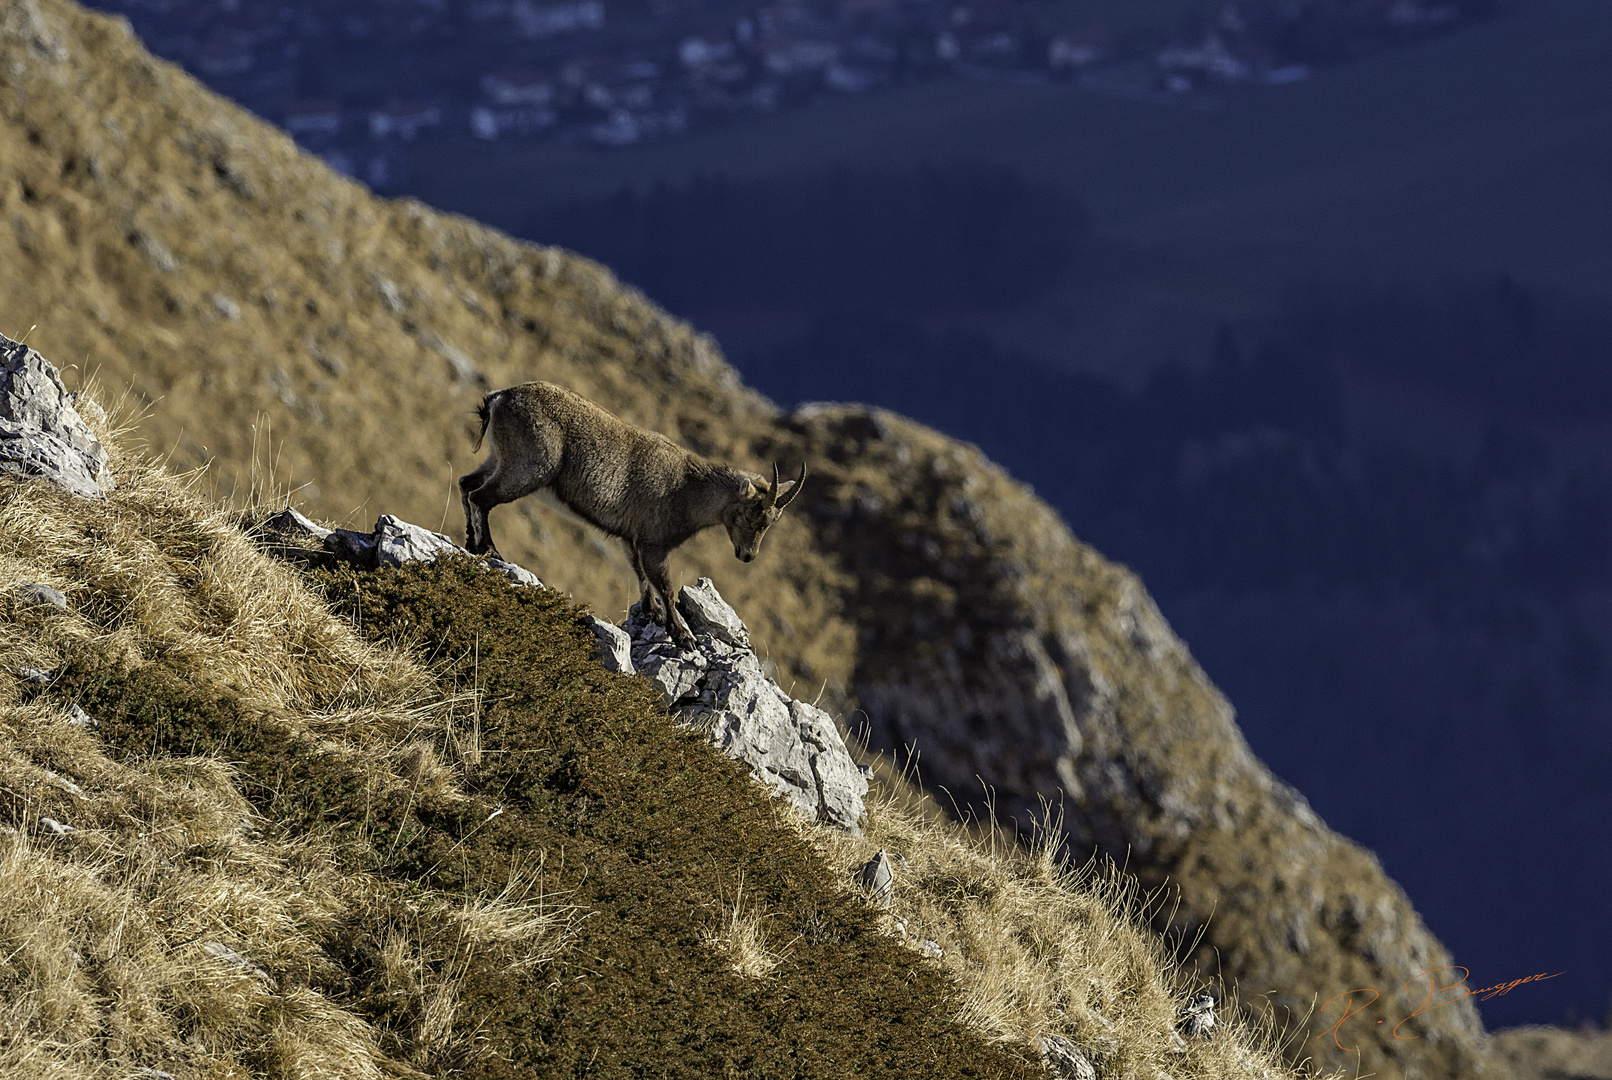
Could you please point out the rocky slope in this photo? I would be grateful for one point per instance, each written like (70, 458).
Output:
(277, 321)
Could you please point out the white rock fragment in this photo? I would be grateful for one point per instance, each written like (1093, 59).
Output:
(41, 596)
(1197, 1019)
(877, 878)
(291, 523)
(614, 648)
(397, 542)
(230, 956)
(392, 543)
(516, 573)
(56, 828)
(706, 612)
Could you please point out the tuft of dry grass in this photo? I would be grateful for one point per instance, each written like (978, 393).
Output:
(741, 934)
(1040, 947)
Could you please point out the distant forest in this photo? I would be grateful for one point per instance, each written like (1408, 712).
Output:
(1394, 604)
(963, 232)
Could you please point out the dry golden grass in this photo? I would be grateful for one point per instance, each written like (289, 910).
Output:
(1040, 948)
(168, 928)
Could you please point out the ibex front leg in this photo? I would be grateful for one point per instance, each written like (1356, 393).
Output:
(653, 561)
(648, 602)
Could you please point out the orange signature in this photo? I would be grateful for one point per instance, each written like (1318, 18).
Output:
(1350, 1008)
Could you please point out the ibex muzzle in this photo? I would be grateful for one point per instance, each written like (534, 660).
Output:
(631, 483)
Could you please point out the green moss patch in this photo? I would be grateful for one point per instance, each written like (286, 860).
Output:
(641, 825)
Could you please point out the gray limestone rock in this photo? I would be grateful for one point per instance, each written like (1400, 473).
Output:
(79, 718)
(516, 573)
(877, 878)
(41, 433)
(291, 522)
(290, 525)
(230, 956)
(720, 688)
(708, 613)
(1197, 1019)
(676, 674)
(614, 648)
(354, 547)
(42, 596)
(397, 542)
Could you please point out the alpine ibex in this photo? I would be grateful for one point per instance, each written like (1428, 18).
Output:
(631, 483)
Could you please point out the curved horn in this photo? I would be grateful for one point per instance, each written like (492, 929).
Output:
(794, 489)
(772, 492)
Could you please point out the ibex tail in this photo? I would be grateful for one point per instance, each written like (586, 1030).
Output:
(485, 411)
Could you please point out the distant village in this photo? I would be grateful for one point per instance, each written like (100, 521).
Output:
(353, 79)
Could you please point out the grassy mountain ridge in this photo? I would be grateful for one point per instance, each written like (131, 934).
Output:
(460, 849)
(168, 240)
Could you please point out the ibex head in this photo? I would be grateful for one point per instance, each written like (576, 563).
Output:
(757, 507)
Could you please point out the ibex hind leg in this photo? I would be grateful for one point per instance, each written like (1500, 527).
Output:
(477, 537)
(503, 486)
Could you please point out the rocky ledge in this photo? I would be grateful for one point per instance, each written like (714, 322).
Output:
(719, 687)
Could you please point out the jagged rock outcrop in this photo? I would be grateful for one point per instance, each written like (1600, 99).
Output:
(719, 687)
(392, 543)
(41, 432)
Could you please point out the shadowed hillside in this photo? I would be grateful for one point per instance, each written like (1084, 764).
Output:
(166, 239)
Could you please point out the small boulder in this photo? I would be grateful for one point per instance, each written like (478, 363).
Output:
(287, 534)
(79, 718)
(230, 956)
(1197, 1019)
(41, 433)
(877, 878)
(291, 524)
(397, 542)
(516, 573)
(707, 613)
(614, 648)
(676, 674)
(354, 547)
(41, 596)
